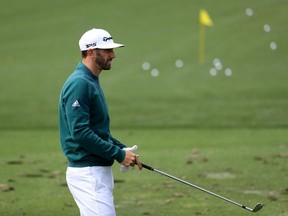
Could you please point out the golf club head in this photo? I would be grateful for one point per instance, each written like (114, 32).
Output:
(257, 207)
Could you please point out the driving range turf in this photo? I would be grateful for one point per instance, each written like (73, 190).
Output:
(227, 134)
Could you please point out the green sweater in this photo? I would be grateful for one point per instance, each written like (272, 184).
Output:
(84, 122)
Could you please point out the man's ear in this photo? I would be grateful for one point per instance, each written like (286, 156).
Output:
(90, 52)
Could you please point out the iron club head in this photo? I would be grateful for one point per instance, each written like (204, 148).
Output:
(257, 207)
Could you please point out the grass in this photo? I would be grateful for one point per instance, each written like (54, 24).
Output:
(245, 165)
(226, 134)
(45, 36)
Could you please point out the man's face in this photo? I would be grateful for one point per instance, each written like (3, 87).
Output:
(104, 58)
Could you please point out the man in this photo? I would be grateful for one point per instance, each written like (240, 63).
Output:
(85, 135)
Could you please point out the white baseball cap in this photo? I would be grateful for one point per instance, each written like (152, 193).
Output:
(97, 38)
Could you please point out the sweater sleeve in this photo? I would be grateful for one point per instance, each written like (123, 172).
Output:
(118, 143)
(77, 105)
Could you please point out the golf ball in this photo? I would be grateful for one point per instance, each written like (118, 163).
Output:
(249, 12)
(228, 72)
(217, 63)
(273, 45)
(267, 28)
(146, 66)
(213, 72)
(154, 72)
(179, 63)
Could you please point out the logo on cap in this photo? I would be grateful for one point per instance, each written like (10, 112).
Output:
(91, 44)
(107, 38)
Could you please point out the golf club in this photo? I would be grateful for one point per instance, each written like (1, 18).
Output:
(256, 208)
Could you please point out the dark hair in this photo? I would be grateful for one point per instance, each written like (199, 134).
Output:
(84, 54)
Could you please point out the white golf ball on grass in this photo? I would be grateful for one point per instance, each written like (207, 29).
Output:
(179, 63)
(213, 72)
(228, 72)
(249, 12)
(273, 45)
(155, 72)
(146, 66)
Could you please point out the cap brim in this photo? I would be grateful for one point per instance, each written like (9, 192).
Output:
(110, 46)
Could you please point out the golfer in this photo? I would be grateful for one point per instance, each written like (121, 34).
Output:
(85, 135)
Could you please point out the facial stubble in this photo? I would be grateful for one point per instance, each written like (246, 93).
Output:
(101, 62)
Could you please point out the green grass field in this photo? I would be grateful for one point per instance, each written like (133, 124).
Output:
(245, 165)
(227, 134)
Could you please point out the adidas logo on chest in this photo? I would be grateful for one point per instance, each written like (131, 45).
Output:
(76, 104)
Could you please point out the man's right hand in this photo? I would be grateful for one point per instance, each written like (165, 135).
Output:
(131, 159)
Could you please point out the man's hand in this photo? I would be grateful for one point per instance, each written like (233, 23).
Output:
(130, 159)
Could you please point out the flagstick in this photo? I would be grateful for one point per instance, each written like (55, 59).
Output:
(201, 43)
(204, 20)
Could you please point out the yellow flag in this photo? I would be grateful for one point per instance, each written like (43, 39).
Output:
(204, 18)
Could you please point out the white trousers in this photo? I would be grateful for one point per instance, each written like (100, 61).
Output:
(92, 190)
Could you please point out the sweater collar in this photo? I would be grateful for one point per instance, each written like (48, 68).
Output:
(86, 70)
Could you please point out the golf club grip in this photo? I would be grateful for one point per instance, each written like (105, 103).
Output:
(147, 167)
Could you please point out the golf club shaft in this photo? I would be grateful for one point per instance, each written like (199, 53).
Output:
(195, 186)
